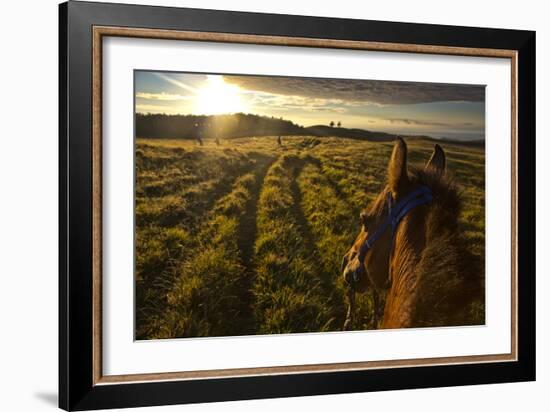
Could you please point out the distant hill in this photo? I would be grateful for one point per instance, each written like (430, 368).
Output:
(324, 131)
(164, 126)
(470, 143)
(227, 126)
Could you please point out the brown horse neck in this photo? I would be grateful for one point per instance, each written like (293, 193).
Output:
(427, 262)
(409, 242)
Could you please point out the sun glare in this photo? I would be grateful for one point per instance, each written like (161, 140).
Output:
(218, 97)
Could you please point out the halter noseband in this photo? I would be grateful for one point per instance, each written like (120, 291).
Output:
(396, 212)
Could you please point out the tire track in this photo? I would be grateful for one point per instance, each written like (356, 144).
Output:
(247, 233)
(303, 224)
(287, 289)
(153, 290)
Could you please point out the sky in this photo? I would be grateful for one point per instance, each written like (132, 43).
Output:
(439, 110)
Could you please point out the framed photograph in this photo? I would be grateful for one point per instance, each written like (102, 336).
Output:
(257, 206)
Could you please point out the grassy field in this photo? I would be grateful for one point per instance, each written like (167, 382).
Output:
(246, 237)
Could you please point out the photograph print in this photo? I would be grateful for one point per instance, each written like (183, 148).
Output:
(275, 205)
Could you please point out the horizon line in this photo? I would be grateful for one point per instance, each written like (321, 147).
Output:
(466, 139)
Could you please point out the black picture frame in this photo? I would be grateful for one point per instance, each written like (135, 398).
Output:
(77, 390)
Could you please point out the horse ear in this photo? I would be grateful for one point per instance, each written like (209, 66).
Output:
(397, 169)
(437, 161)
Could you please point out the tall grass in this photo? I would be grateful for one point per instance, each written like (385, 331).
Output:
(287, 290)
(334, 226)
(221, 250)
(169, 220)
(206, 297)
(357, 170)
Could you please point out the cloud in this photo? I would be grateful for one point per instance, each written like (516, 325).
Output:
(161, 96)
(419, 122)
(416, 122)
(151, 108)
(273, 101)
(361, 91)
(175, 82)
(328, 109)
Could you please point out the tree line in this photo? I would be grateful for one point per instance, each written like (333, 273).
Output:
(215, 126)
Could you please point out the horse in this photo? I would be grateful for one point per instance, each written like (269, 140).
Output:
(410, 250)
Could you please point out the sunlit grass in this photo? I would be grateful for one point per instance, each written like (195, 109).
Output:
(193, 207)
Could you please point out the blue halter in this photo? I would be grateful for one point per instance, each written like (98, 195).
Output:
(396, 212)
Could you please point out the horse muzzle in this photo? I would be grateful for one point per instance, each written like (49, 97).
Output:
(354, 272)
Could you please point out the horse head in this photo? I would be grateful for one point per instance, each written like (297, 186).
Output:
(394, 223)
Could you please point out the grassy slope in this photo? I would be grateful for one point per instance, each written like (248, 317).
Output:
(247, 237)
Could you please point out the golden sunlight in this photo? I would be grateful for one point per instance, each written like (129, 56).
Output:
(218, 97)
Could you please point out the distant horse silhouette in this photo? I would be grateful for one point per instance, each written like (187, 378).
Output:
(410, 250)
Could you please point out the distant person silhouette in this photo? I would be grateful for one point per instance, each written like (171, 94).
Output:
(198, 133)
(279, 141)
(217, 141)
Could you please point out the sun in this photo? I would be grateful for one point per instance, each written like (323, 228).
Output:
(218, 97)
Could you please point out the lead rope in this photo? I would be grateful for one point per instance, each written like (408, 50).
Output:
(348, 324)
(350, 318)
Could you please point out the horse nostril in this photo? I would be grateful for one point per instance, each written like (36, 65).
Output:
(349, 275)
(354, 271)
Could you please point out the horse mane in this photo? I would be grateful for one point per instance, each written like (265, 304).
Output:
(449, 277)
(436, 280)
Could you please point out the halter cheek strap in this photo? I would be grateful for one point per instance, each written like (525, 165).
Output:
(396, 212)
